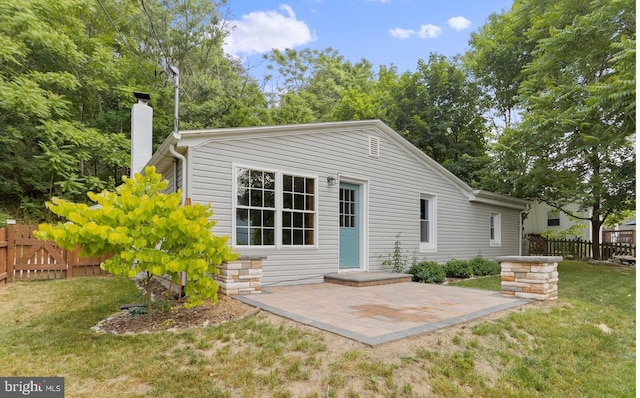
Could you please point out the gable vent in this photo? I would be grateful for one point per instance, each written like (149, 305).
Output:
(374, 146)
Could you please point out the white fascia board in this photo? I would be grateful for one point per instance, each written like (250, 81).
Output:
(494, 199)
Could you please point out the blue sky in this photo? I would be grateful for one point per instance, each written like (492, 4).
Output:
(385, 32)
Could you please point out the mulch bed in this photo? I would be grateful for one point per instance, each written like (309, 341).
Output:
(174, 316)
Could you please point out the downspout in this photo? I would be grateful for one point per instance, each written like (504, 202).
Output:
(183, 160)
(183, 166)
(521, 240)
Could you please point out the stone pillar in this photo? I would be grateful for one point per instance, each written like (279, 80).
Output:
(530, 277)
(243, 276)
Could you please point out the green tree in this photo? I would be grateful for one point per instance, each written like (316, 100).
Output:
(315, 86)
(146, 231)
(440, 111)
(577, 95)
(51, 75)
(215, 91)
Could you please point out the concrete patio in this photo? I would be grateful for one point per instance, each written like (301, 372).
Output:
(378, 314)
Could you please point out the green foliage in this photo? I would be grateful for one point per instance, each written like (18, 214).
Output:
(428, 272)
(397, 260)
(440, 111)
(574, 72)
(146, 231)
(483, 267)
(458, 269)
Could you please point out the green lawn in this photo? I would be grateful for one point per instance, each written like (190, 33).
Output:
(581, 346)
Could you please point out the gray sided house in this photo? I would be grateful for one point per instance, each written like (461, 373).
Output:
(322, 198)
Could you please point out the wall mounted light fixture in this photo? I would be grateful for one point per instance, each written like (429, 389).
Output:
(331, 181)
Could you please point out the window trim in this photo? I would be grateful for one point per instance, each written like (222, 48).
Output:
(279, 212)
(278, 207)
(495, 224)
(431, 246)
(234, 210)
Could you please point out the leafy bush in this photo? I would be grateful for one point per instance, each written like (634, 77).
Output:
(482, 267)
(458, 269)
(428, 272)
(145, 230)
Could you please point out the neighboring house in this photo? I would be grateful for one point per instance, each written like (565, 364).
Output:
(333, 197)
(542, 218)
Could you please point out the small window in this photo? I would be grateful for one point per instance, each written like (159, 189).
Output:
(427, 223)
(495, 230)
(553, 218)
(374, 146)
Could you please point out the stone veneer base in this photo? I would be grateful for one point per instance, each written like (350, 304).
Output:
(243, 276)
(529, 277)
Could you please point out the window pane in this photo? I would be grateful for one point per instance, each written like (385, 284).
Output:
(256, 179)
(298, 237)
(287, 183)
(256, 218)
(424, 231)
(243, 197)
(309, 220)
(309, 237)
(242, 217)
(286, 237)
(269, 236)
(243, 178)
(256, 236)
(256, 198)
(269, 199)
(287, 200)
(242, 236)
(298, 184)
(424, 209)
(269, 181)
(269, 218)
(311, 185)
(286, 219)
(298, 202)
(311, 204)
(297, 220)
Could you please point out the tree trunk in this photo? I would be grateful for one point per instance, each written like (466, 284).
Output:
(595, 237)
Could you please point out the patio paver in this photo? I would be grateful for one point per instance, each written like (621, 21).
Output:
(378, 314)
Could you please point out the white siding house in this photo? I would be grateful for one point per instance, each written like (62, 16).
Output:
(332, 197)
(542, 218)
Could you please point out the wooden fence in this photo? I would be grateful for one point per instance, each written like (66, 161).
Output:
(24, 257)
(619, 236)
(539, 246)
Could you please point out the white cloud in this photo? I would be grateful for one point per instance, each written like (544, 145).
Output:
(459, 23)
(261, 31)
(427, 31)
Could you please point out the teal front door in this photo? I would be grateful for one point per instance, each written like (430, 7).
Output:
(349, 226)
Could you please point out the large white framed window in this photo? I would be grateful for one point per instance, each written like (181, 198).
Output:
(298, 210)
(255, 207)
(273, 208)
(428, 236)
(495, 229)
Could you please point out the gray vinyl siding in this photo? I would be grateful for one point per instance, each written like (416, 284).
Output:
(395, 181)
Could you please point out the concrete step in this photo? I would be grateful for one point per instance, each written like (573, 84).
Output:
(362, 279)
